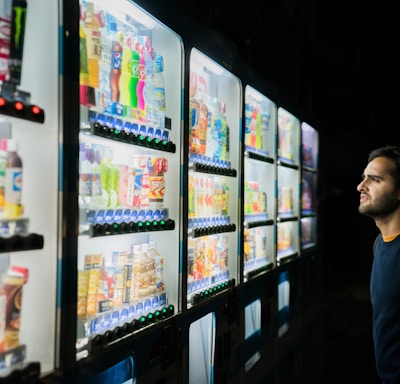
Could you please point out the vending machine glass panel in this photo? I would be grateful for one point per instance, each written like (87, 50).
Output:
(120, 373)
(201, 350)
(129, 190)
(259, 183)
(213, 179)
(309, 186)
(252, 333)
(283, 302)
(29, 137)
(288, 184)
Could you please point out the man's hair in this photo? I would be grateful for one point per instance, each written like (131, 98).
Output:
(390, 152)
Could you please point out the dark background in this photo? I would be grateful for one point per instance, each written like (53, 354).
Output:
(338, 62)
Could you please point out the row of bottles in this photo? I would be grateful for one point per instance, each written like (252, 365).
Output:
(208, 196)
(209, 129)
(121, 283)
(103, 183)
(120, 72)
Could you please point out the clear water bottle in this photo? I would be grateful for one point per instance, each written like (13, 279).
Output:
(159, 91)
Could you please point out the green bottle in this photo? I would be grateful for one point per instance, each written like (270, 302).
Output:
(105, 168)
(114, 186)
(134, 74)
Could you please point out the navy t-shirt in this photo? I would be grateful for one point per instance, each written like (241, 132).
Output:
(385, 298)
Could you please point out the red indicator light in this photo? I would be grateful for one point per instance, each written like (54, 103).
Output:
(36, 110)
(19, 106)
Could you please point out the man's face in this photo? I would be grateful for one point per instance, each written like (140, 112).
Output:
(379, 196)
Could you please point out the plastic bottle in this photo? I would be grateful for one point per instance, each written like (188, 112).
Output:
(203, 115)
(103, 98)
(224, 134)
(159, 265)
(216, 133)
(191, 197)
(96, 190)
(148, 91)
(85, 171)
(13, 181)
(105, 169)
(93, 44)
(116, 61)
(83, 73)
(142, 79)
(114, 186)
(159, 92)
(211, 144)
(194, 112)
(3, 166)
(145, 191)
(124, 95)
(134, 74)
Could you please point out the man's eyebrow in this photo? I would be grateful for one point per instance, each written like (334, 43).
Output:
(372, 176)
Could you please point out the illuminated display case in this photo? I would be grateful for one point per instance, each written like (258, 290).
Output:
(129, 149)
(259, 216)
(288, 183)
(309, 185)
(213, 179)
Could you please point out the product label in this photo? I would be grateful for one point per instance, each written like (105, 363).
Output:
(144, 195)
(137, 181)
(157, 189)
(13, 185)
(159, 99)
(116, 59)
(13, 288)
(85, 184)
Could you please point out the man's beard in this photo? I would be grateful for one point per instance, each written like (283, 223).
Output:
(382, 207)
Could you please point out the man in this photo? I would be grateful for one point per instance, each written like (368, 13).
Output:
(380, 200)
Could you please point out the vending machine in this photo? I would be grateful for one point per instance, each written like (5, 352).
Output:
(128, 192)
(289, 279)
(259, 235)
(259, 180)
(213, 178)
(213, 216)
(288, 176)
(28, 191)
(309, 183)
(311, 261)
